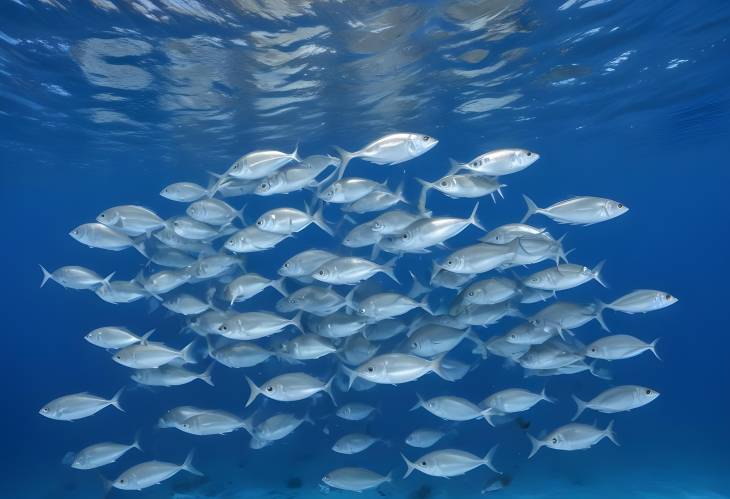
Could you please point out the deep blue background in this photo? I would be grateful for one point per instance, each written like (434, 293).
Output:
(656, 139)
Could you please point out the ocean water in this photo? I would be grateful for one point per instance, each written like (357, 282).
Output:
(105, 102)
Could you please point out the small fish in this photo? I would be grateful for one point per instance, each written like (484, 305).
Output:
(304, 263)
(255, 325)
(573, 436)
(177, 416)
(152, 473)
(164, 281)
(391, 149)
(451, 408)
(564, 276)
(152, 355)
(252, 239)
(354, 443)
(582, 210)
(463, 186)
(168, 375)
(214, 212)
(313, 299)
(424, 437)
(78, 405)
(260, 164)
(362, 235)
(449, 462)
(186, 304)
(74, 277)
(190, 228)
(96, 235)
(566, 315)
(240, 354)
(619, 346)
(386, 305)
(498, 162)
(355, 411)
(98, 455)
(491, 291)
(377, 200)
(394, 222)
(290, 387)
(212, 423)
(247, 286)
(295, 178)
(121, 292)
(352, 270)
(435, 339)
(355, 479)
(396, 368)
(511, 401)
(277, 426)
(505, 234)
(307, 347)
(350, 189)
(642, 301)
(337, 325)
(115, 337)
(184, 192)
(289, 221)
(617, 399)
(479, 258)
(133, 220)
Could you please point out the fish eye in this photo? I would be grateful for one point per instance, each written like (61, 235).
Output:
(529, 153)
(269, 388)
(513, 336)
(471, 293)
(121, 480)
(102, 215)
(414, 344)
(370, 369)
(593, 350)
(259, 222)
(321, 272)
(555, 440)
(620, 205)
(118, 357)
(667, 297)
(426, 138)
(45, 409)
(444, 183)
(286, 265)
(76, 232)
(292, 301)
(423, 463)
(405, 236)
(648, 391)
(450, 262)
(223, 327)
(362, 310)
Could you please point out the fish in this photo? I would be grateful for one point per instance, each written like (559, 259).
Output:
(462, 186)
(168, 375)
(247, 286)
(533, 332)
(97, 235)
(255, 325)
(307, 347)
(260, 164)
(547, 356)
(101, 454)
(295, 178)
(384, 329)
(424, 437)
(355, 479)
(115, 337)
(186, 304)
(492, 291)
(354, 443)
(357, 349)
(355, 411)
(390, 149)
(565, 276)
(78, 406)
(573, 436)
(164, 281)
(290, 387)
(276, 427)
(377, 200)
(396, 368)
(213, 212)
(641, 301)
(435, 339)
(290, 220)
(184, 192)
(395, 221)
(505, 234)
(478, 258)
(352, 270)
(212, 423)
(151, 473)
(567, 316)
(240, 354)
(305, 263)
(337, 325)
(190, 228)
(511, 401)
(350, 189)
(313, 299)
(619, 346)
(252, 239)
(177, 416)
(581, 210)
(386, 305)
(449, 462)
(133, 220)
(450, 408)
(361, 235)
(121, 292)
(498, 162)
(152, 355)
(75, 277)
(617, 399)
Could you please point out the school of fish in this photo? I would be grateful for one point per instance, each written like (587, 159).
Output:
(389, 334)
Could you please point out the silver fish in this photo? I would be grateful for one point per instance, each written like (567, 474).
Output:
(152, 355)
(186, 304)
(249, 285)
(259, 164)
(252, 239)
(387, 305)
(355, 479)
(350, 189)
(582, 210)
(212, 423)
(491, 291)
(307, 347)
(424, 437)
(313, 299)
(184, 192)
(168, 375)
(352, 270)
(573, 436)
(255, 325)
(114, 337)
(98, 455)
(213, 211)
(177, 416)
(96, 235)
(617, 399)
(479, 258)
(377, 200)
(395, 368)
(619, 346)
(642, 301)
(354, 443)
(289, 221)
(74, 277)
(498, 162)
(131, 219)
(564, 276)
(463, 186)
(391, 149)
(507, 233)
(511, 401)
(451, 408)
(361, 235)
(304, 263)
(78, 405)
(240, 354)
(290, 387)
(449, 462)
(152, 473)
(355, 411)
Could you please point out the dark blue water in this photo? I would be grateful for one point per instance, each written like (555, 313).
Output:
(107, 102)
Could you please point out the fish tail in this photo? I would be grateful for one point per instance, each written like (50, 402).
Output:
(455, 166)
(536, 444)
(409, 464)
(423, 304)
(399, 192)
(115, 399)
(487, 415)
(438, 367)
(255, 391)
(186, 354)
(206, 375)
(318, 219)
(351, 375)
(46, 275)
(652, 347)
(297, 322)
(345, 158)
(479, 346)
(295, 155)
(596, 272)
(239, 214)
(600, 307)
(105, 282)
(547, 398)
(532, 208)
(610, 434)
(328, 389)
(278, 285)
(136, 444)
(489, 459)
(580, 407)
(417, 289)
(388, 268)
(188, 464)
(418, 404)
(473, 220)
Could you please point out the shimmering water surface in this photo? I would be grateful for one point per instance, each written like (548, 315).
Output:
(104, 102)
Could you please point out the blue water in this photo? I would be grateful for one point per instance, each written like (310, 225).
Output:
(105, 102)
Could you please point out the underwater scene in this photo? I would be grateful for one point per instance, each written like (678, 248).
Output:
(289, 249)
